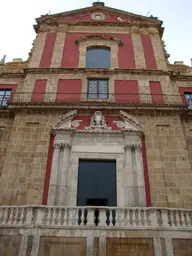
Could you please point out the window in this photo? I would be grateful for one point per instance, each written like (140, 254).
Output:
(98, 58)
(188, 98)
(98, 88)
(4, 97)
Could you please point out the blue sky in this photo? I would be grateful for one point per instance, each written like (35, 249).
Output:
(17, 19)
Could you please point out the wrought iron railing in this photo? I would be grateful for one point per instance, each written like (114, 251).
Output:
(111, 98)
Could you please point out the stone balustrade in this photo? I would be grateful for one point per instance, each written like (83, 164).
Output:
(85, 217)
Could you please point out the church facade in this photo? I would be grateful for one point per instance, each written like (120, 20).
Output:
(96, 140)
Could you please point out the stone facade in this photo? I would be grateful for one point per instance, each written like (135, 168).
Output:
(43, 138)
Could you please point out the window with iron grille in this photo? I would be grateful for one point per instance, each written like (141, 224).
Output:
(4, 97)
(98, 89)
(188, 98)
(98, 58)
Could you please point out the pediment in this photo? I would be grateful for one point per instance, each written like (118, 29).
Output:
(97, 122)
(97, 13)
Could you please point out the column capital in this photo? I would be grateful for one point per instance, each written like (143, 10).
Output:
(137, 147)
(65, 146)
(129, 147)
(57, 145)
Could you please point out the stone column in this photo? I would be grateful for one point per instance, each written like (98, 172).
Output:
(54, 174)
(35, 246)
(140, 183)
(23, 246)
(128, 177)
(63, 175)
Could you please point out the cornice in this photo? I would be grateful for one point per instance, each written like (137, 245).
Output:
(98, 37)
(92, 70)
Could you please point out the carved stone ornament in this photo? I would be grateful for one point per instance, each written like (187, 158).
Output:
(98, 16)
(98, 122)
(120, 124)
(76, 123)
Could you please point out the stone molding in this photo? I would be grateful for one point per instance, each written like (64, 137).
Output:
(133, 147)
(98, 37)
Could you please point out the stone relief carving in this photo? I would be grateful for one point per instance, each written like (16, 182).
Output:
(76, 123)
(133, 147)
(120, 124)
(98, 122)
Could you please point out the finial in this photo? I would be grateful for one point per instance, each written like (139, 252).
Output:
(2, 61)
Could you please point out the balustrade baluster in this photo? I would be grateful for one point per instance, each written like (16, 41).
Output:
(70, 216)
(177, 218)
(134, 224)
(182, 219)
(128, 218)
(54, 216)
(145, 218)
(111, 217)
(59, 216)
(22, 216)
(6, 215)
(75, 221)
(48, 221)
(140, 218)
(65, 217)
(102, 217)
(164, 218)
(172, 219)
(17, 213)
(153, 218)
(188, 221)
(11, 216)
(40, 216)
(90, 217)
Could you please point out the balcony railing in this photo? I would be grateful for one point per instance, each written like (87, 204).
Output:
(112, 98)
(86, 217)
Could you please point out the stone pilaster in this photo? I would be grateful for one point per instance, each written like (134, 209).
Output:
(63, 175)
(35, 246)
(128, 177)
(54, 174)
(23, 246)
(139, 173)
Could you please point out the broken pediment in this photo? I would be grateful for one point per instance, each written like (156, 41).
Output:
(96, 13)
(97, 122)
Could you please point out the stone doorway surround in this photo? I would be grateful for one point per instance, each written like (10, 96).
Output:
(98, 141)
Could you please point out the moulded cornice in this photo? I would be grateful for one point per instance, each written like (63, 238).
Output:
(98, 37)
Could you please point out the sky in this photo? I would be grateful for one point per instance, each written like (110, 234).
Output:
(18, 17)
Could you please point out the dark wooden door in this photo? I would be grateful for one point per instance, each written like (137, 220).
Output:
(97, 183)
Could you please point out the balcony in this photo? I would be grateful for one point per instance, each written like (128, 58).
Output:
(95, 217)
(113, 99)
(54, 230)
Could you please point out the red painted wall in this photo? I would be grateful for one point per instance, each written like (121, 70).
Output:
(12, 87)
(126, 53)
(86, 121)
(156, 93)
(68, 90)
(184, 90)
(148, 52)
(127, 91)
(48, 50)
(71, 50)
(39, 91)
(146, 175)
(48, 171)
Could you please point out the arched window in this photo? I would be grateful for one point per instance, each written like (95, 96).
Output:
(99, 57)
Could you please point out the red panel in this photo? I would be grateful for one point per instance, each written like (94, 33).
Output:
(148, 52)
(127, 91)
(71, 51)
(48, 50)
(48, 171)
(184, 90)
(126, 53)
(146, 175)
(68, 90)
(12, 87)
(85, 121)
(39, 91)
(156, 93)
